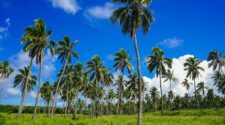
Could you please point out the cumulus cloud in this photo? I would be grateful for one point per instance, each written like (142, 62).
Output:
(172, 42)
(101, 12)
(20, 60)
(180, 74)
(69, 6)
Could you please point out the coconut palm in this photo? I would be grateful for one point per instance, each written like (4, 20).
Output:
(21, 78)
(122, 62)
(219, 81)
(158, 62)
(99, 75)
(154, 93)
(186, 84)
(201, 87)
(133, 15)
(66, 54)
(46, 93)
(5, 72)
(36, 40)
(216, 60)
(193, 68)
(169, 76)
(120, 83)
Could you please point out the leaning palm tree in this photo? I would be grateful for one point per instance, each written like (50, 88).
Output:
(216, 60)
(122, 62)
(158, 62)
(21, 78)
(169, 76)
(133, 15)
(193, 68)
(37, 40)
(66, 53)
(5, 72)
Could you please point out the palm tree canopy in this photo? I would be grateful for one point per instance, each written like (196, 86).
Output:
(193, 68)
(186, 84)
(133, 15)
(169, 76)
(122, 61)
(65, 49)
(5, 70)
(216, 60)
(158, 62)
(36, 39)
(219, 81)
(46, 91)
(22, 77)
(154, 93)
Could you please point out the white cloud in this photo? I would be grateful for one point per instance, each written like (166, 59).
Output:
(172, 42)
(13, 92)
(33, 94)
(180, 74)
(69, 6)
(101, 12)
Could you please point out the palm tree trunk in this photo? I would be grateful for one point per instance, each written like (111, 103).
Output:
(139, 121)
(160, 80)
(196, 94)
(55, 96)
(39, 86)
(24, 92)
(1, 93)
(74, 109)
(121, 95)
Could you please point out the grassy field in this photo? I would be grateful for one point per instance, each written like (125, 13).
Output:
(184, 117)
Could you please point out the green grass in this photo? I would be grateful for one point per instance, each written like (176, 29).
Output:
(184, 117)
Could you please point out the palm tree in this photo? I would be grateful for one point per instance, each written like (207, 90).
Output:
(158, 62)
(99, 75)
(216, 60)
(46, 94)
(5, 72)
(186, 84)
(219, 81)
(66, 53)
(122, 62)
(154, 96)
(193, 68)
(201, 87)
(21, 78)
(120, 83)
(169, 76)
(132, 16)
(37, 40)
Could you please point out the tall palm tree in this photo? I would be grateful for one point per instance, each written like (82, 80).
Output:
(216, 60)
(193, 68)
(186, 84)
(36, 41)
(46, 94)
(21, 78)
(133, 15)
(5, 72)
(99, 75)
(66, 54)
(169, 76)
(158, 62)
(122, 62)
(154, 96)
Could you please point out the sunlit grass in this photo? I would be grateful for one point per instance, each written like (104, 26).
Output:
(184, 117)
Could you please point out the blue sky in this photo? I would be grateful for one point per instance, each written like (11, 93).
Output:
(181, 27)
